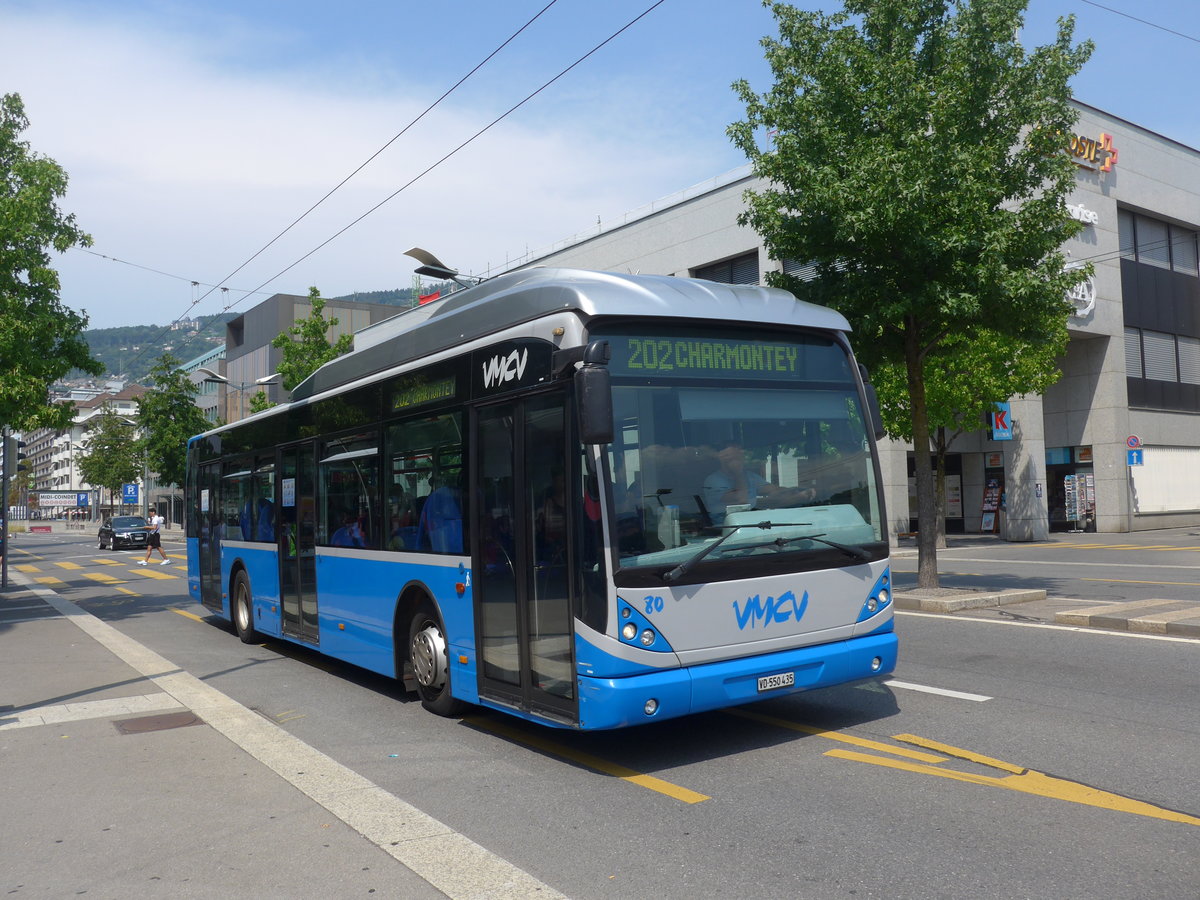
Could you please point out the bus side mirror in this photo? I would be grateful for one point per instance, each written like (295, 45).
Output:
(593, 393)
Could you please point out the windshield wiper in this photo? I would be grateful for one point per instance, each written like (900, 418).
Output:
(852, 550)
(688, 564)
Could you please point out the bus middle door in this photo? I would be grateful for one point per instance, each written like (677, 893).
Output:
(297, 542)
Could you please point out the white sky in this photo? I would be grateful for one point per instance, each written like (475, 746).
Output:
(194, 132)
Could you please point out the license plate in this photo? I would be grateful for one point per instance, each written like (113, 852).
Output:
(771, 682)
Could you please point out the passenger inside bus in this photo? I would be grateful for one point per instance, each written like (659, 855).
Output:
(350, 534)
(733, 484)
(441, 527)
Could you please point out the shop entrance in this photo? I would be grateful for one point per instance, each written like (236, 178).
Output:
(1071, 489)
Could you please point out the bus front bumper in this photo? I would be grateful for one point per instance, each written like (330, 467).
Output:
(641, 699)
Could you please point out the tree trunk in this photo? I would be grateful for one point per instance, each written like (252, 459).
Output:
(927, 571)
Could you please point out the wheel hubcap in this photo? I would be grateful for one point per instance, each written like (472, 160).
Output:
(429, 657)
(243, 611)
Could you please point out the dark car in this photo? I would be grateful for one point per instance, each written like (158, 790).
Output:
(122, 531)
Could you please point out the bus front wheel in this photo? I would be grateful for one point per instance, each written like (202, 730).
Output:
(431, 663)
(243, 609)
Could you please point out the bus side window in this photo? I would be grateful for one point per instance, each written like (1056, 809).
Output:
(424, 467)
(349, 491)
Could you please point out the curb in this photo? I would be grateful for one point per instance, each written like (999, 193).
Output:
(945, 602)
(1140, 616)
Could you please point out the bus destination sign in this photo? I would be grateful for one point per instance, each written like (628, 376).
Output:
(704, 356)
(420, 389)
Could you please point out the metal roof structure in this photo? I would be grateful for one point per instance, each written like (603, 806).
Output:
(529, 294)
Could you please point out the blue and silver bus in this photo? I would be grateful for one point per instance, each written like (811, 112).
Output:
(586, 499)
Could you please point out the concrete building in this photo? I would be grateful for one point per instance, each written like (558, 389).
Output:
(208, 391)
(249, 358)
(1114, 445)
(55, 478)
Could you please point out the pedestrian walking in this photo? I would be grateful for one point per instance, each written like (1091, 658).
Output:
(154, 541)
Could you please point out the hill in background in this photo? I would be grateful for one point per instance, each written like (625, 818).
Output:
(130, 351)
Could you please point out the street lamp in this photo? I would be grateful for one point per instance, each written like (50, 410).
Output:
(239, 386)
(145, 471)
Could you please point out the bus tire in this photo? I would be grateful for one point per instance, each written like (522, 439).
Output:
(431, 663)
(242, 609)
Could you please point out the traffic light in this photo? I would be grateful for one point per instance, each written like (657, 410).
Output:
(14, 459)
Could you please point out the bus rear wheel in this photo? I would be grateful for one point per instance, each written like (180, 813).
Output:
(431, 663)
(243, 609)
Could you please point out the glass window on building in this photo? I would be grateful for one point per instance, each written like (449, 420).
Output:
(1159, 356)
(739, 270)
(1133, 353)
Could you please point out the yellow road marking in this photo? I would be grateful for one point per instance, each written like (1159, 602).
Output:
(1125, 581)
(968, 755)
(68, 565)
(586, 759)
(49, 579)
(107, 562)
(103, 577)
(837, 736)
(1019, 778)
(129, 592)
(1027, 781)
(147, 572)
(188, 615)
(27, 568)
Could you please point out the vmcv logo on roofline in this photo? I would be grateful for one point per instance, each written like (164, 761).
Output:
(774, 611)
(500, 369)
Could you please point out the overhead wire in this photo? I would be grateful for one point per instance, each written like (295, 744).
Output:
(220, 284)
(468, 141)
(1142, 21)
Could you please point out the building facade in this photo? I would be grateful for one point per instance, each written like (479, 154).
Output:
(56, 486)
(1114, 445)
(249, 358)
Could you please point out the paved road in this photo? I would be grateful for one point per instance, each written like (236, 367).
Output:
(1006, 758)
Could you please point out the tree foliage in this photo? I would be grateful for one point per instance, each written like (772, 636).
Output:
(168, 416)
(306, 345)
(40, 339)
(917, 158)
(112, 453)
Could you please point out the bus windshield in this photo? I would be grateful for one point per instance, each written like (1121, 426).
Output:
(727, 448)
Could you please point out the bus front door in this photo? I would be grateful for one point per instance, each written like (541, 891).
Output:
(297, 543)
(522, 562)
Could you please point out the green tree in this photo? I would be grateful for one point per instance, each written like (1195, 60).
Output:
(112, 453)
(168, 417)
(917, 157)
(306, 346)
(963, 380)
(259, 402)
(40, 339)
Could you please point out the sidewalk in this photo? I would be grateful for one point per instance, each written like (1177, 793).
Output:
(1164, 617)
(116, 786)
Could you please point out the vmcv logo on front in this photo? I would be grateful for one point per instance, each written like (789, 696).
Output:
(500, 369)
(772, 611)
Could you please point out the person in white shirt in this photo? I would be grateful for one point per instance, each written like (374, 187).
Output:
(154, 541)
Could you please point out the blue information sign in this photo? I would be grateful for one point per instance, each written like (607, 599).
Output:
(1133, 457)
(129, 493)
(81, 499)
